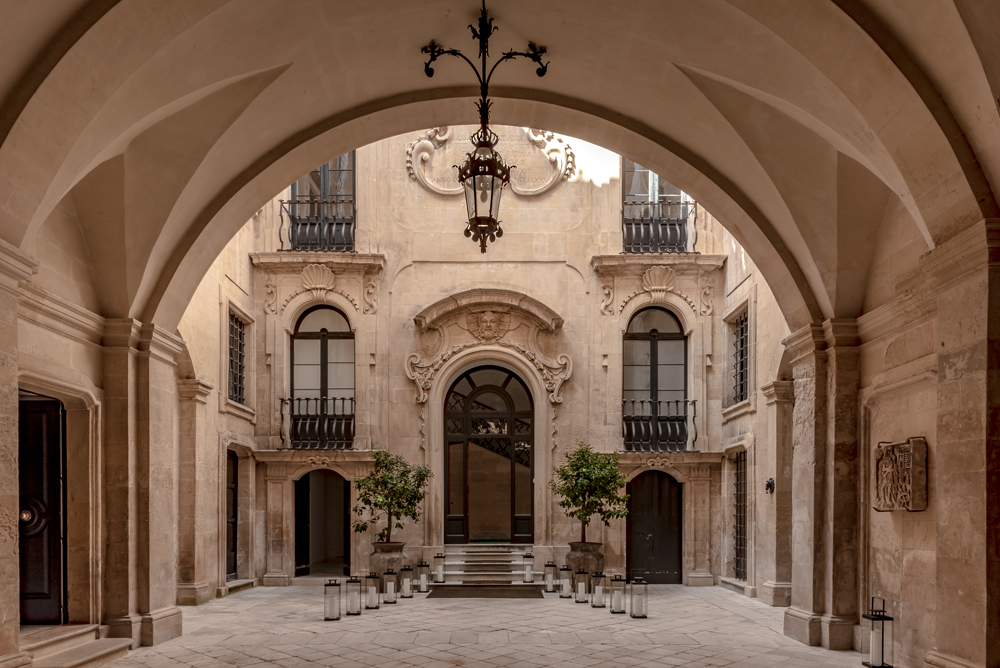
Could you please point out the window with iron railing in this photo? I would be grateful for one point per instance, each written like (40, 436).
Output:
(740, 334)
(237, 358)
(657, 217)
(740, 516)
(321, 213)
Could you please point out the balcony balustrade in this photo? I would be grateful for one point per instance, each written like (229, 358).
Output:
(317, 424)
(312, 224)
(660, 227)
(659, 426)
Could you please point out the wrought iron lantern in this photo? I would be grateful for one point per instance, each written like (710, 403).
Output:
(406, 582)
(331, 600)
(566, 580)
(389, 586)
(529, 567)
(354, 597)
(439, 567)
(551, 570)
(597, 590)
(618, 595)
(484, 174)
(640, 598)
(371, 586)
(580, 586)
(878, 625)
(423, 576)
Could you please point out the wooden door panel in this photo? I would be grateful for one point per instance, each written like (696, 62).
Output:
(654, 528)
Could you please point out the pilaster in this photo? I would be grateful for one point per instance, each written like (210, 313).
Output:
(192, 494)
(698, 494)
(280, 521)
(776, 558)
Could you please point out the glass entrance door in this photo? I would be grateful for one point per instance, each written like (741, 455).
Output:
(489, 458)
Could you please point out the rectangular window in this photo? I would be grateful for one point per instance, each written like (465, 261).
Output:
(237, 359)
(320, 215)
(740, 528)
(741, 357)
(656, 215)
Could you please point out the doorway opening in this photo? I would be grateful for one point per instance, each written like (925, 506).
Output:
(653, 549)
(489, 453)
(232, 512)
(322, 524)
(42, 508)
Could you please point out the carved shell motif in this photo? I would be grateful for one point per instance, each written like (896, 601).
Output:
(319, 279)
(658, 281)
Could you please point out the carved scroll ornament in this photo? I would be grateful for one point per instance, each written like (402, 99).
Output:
(899, 476)
(657, 282)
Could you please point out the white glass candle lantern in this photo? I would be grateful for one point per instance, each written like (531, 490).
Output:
(389, 586)
(331, 600)
(423, 575)
(406, 582)
(566, 582)
(354, 596)
(640, 598)
(551, 575)
(529, 567)
(580, 586)
(877, 625)
(438, 567)
(617, 588)
(371, 589)
(597, 590)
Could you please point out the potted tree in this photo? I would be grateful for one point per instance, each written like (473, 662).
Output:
(392, 492)
(589, 484)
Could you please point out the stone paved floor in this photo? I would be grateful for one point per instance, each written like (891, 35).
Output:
(283, 626)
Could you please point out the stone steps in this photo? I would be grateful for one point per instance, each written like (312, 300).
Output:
(73, 646)
(485, 564)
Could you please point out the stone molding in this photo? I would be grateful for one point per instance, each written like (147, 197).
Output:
(289, 262)
(194, 389)
(15, 267)
(841, 332)
(779, 391)
(659, 274)
(936, 659)
(121, 333)
(804, 341)
(483, 299)
(56, 314)
(160, 344)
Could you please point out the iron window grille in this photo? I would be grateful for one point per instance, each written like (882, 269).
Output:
(657, 217)
(321, 213)
(741, 357)
(237, 358)
(740, 525)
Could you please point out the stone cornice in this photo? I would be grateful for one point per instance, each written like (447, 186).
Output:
(15, 266)
(841, 332)
(494, 298)
(303, 456)
(805, 340)
(194, 389)
(635, 265)
(160, 343)
(121, 333)
(778, 391)
(59, 315)
(290, 262)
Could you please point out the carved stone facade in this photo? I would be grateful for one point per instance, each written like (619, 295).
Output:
(899, 476)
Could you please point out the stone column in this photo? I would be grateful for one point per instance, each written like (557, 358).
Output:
(14, 267)
(802, 619)
(775, 561)
(697, 492)
(279, 523)
(192, 492)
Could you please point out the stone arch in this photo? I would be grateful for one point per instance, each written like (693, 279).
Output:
(304, 301)
(672, 302)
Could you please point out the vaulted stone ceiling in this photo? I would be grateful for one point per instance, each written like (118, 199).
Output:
(802, 126)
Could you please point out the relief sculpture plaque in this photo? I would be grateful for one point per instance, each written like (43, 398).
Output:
(899, 476)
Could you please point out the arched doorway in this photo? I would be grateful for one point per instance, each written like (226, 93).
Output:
(489, 458)
(653, 550)
(322, 524)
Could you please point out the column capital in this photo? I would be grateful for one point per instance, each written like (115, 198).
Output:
(121, 333)
(805, 340)
(160, 344)
(841, 332)
(194, 389)
(779, 391)
(15, 266)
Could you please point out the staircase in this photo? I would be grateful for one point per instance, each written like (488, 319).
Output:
(72, 646)
(486, 564)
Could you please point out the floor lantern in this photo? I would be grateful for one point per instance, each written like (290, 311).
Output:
(580, 586)
(331, 600)
(597, 590)
(406, 586)
(439, 567)
(422, 575)
(879, 627)
(566, 582)
(618, 595)
(551, 570)
(353, 595)
(389, 586)
(529, 567)
(640, 597)
(371, 586)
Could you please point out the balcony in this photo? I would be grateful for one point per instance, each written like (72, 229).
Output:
(312, 224)
(659, 227)
(317, 424)
(659, 426)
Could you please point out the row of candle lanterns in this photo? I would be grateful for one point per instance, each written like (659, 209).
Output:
(374, 590)
(594, 588)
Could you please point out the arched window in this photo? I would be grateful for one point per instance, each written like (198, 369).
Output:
(654, 383)
(322, 403)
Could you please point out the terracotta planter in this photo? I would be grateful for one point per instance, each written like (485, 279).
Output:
(386, 556)
(586, 556)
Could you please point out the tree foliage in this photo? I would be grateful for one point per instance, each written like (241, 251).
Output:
(393, 490)
(589, 484)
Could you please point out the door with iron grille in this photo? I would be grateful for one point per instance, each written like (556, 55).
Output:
(740, 524)
(653, 528)
(489, 458)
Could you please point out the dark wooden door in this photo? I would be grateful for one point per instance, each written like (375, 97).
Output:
(302, 525)
(653, 551)
(232, 500)
(42, 543)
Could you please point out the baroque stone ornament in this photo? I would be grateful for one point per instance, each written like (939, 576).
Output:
(420, 152)
(899, 476)
(658, 281)
(658, 462)
(270, 296)
(488, 326)
(318, 461)
(371, 296)
(608, 302)
(319, 279)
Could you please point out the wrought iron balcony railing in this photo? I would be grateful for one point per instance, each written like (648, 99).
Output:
(310, 224)
(660, 227)
(317, 424)
(659, 426)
